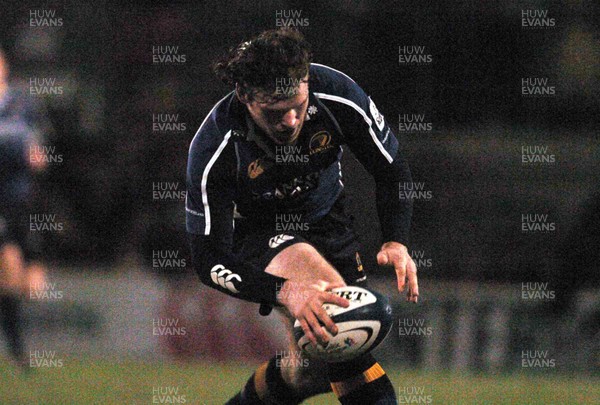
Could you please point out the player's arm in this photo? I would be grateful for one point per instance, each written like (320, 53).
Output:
(209, 222)
(40, 127)
(374, 144)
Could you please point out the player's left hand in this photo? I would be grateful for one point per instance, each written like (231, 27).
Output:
(396, 254)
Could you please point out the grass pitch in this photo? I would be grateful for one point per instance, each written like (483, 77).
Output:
(81, 381)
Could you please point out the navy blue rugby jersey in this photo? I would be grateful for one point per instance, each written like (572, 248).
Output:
(232, 165)
(20, 124)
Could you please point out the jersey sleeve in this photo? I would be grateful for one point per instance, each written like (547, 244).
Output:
(374, 144)
(209, 221)
(210, 186)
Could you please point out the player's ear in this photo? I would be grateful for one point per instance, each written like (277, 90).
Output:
(242, 96)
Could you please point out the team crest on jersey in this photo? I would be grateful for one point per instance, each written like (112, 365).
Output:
(359, 265)
(319, 142)
(379, 121)
(255, 168)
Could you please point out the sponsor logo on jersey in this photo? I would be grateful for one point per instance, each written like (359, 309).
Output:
(379, 121)
(275, 241)
(293, 188)
(319, 142)
(255, 168)
(225, 277)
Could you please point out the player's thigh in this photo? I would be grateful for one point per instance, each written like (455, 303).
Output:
(287, 255)
(303, 262)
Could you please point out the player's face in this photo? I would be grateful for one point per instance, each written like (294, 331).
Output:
(281, 120)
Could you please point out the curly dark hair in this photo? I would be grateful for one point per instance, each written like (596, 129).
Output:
(255, 65)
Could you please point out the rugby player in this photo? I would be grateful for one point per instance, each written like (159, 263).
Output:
(21, 126)
(273, 146)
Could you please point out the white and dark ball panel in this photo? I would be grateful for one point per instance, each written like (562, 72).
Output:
(361, 327)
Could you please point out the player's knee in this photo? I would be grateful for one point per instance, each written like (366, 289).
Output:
(10, 249)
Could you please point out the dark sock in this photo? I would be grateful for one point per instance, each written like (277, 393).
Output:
(361, 381)
(249, 395)
(237, 400)
(268, 384)
(10, 312)
(278, 391)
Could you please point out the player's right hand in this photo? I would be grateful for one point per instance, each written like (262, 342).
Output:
(304, 300)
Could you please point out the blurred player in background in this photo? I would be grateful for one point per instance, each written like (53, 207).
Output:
(20, 158)
(273, 147)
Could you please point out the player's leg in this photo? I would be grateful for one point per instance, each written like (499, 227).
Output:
(360, 381)
(274, 382)
(10, 314)
(11, 267)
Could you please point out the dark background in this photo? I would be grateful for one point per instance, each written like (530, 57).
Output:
(471, 93)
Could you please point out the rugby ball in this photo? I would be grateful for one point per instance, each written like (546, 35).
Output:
(361, 327)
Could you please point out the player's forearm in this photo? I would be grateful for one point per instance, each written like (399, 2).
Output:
(226, 273)
(395, 213)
